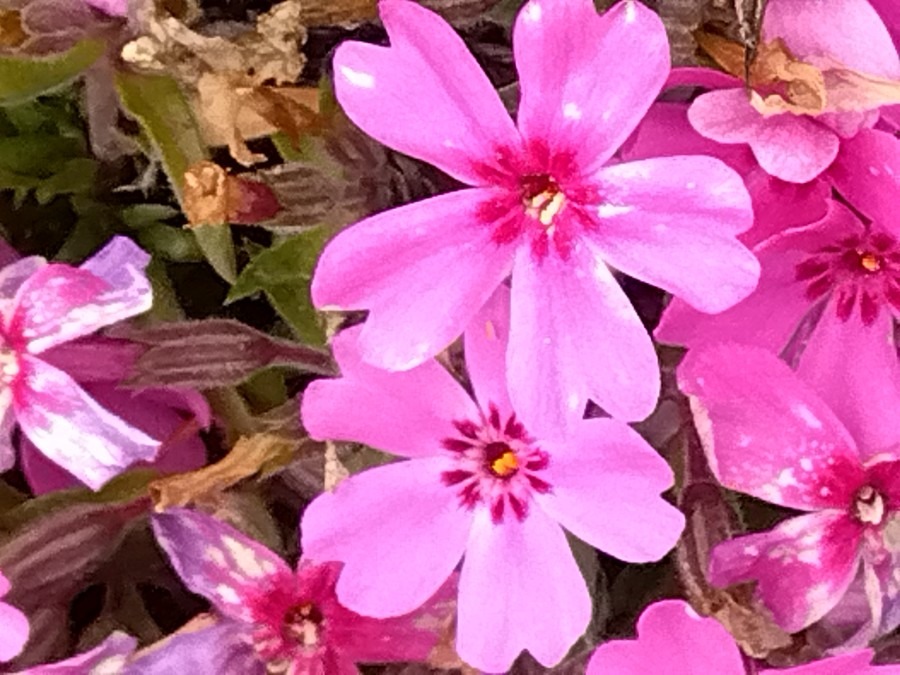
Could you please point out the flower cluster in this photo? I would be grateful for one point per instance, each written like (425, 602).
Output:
(501, 362)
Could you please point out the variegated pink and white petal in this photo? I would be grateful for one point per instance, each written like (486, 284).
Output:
(72, 429)
(217, 561)
(802, 567)
(59, 303)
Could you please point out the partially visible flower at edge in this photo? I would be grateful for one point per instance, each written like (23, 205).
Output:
(803, 566)
(45, 305)
(13, 626)
(478, 486)
(542, 205)
(841, 38)
(673, 638)
(271, 618)
(108, 657)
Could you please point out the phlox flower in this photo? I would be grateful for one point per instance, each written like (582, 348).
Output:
(542, 204)
(270, 618)
(45, 305)
(845, 68)
(110, 656)
(480, 486)
(769, 435)
(828, 295)
(674, 639)
(173, 415)
(13, 626)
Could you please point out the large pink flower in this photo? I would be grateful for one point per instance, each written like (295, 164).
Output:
(543, 205)
(478, 484)
(674, 639)
(270, 617)
(769, 435)
(834, 36)
(828, 295)
(13, 626)
(44, 305)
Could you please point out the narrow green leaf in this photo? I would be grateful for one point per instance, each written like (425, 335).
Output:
(158, 104)
(23, 78)
(283, 273)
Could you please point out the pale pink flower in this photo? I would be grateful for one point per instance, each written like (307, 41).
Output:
(543, 204)
(270, 617)
(672, 638)
(13, 626)
(769, 435)
(44, 305)
(478, 484)
(841, 34)
(828, 295)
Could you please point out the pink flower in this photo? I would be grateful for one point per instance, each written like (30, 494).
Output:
(769, 435)
(111, 7)
(672, 638)
(13, 626)
(99, 365)
(542, 205)
(828, 295)
(478, 483)
(110, 656)
(44, 305)
(831, 37)
(777, 204)
(270, 618)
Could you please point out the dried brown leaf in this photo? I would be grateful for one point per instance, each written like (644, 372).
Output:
(260, 454)
(212, 196)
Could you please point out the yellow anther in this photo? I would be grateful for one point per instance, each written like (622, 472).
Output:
(870, 262)
(505, 464)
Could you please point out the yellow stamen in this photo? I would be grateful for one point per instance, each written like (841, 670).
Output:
(870, 262)
(545, 205)
(505, 464)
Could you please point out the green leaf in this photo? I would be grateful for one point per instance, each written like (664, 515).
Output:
(166, 117)
(283, 273)
(76, 176)
(23, 78)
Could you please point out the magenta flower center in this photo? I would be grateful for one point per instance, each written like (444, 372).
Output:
(496, 464)
(542, 198)
(868, 506)
(281, 636)
(862, 271)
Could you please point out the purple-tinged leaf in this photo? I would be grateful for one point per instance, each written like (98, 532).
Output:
(216, 352)
(107, 657)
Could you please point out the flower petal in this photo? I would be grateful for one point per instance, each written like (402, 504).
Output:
(854, 369)
(848, 31)
(802, 567)
(406, 413)
(451, 118)
(767, 318)
(16, 273)
(109, 656)
(519, 589)
(7, 425)
(741, 394)
(428, 267)
(606, 486)
(398, 530)
(72, 429)
(666, 132)
(563, 310)
(220, 649)
(793, 148)
(59, 303)
(486, 341)
(677, 234)
(867, 174)
(15, 631)
(154, 412)
(574, 100)
(672, 638)
(857, 663)
(217, 561)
